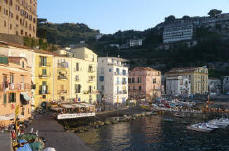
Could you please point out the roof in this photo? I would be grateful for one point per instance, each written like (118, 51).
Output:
(115, 58)
(145, 69)
(181, 70)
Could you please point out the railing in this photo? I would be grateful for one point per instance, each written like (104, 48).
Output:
(124, 82)
(91, 70)
(14, 87)
(45, 64)
(43, 92)
(62, 91)
(44, 76)
(62, 77)
(122, 92)
(63, 65)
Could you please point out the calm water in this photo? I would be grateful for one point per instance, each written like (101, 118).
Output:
(156, 134)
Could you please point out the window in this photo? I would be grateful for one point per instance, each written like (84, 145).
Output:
(77, 78)
(12, 97)
(133, 80)
(44, 72)
(102, 87)
(23, 64)
(90, 89)
(78, 88)
(117, 70)
(101, 78)
(129, 80)
(110, 70)
(77, 66)
(5, 99)
(140, 88)
(154, 80)
(11, 78)
(139, 80)
(124, 72)
(43, 61)
(4, 23)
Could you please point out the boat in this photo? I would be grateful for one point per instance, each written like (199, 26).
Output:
(200, 127)
(179, 115)
(212, 126)
(218, 123)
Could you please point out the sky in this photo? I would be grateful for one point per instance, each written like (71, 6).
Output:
(109, 16)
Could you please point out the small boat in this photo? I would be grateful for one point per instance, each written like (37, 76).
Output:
(200, 127)
(218, 123)
(179, 115)
(212, 126)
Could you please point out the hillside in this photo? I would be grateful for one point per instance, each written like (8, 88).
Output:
(64, 34)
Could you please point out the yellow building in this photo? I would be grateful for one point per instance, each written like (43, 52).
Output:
(43, 77)
(62, 78)
(84, 75)
(198, 77)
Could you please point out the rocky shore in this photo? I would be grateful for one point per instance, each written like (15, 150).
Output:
(107, 118)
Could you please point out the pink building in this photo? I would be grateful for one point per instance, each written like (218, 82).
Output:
(15, 89)
(144, 83)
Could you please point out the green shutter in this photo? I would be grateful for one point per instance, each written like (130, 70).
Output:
(5, 99)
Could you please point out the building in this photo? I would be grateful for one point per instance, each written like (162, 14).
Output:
(177, 32)
(214, 86)
(144, 83)
(226, 85)
(113, 80)
(15, 89)
(62, 78)
(18, 17)
(44, 77)
(178, 86)
(135, 42)
(198, 77)
(84, 75)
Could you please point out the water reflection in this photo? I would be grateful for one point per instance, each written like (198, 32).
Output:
(156, 133)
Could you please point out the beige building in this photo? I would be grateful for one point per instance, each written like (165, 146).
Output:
(18, 17)
(198, 76)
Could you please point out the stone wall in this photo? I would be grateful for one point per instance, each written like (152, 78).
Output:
(12, 39)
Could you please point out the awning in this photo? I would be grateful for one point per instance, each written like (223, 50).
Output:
(26, 96)
(7, 117)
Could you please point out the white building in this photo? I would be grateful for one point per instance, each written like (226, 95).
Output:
(178, 85)
(135, 43)
(214, 86)
(113, 80)
(226, 85)
(177, 32)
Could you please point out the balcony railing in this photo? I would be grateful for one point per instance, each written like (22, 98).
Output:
(62, 77)
(63, 65)
(42, 92)
(124, 82)
(42, 64)
(91, 70)
(62, 91)
(122, 92)
(44, 75)
(14, 87)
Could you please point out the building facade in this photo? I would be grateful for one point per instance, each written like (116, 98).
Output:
(44, 77)
(214, 86)
(62, 78)
(198, 77)
(144, 83)
(84, 75)
(135, 42)
(226, 85)
(15, 89)
(113, 80)
(177, 32)
(18, 17)
(178, 86)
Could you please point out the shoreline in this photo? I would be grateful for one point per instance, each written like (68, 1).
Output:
(55, 134)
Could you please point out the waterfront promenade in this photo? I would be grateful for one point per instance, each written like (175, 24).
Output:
(5, 142)
(55, 135)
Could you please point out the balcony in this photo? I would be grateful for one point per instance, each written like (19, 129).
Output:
(91, 71)
(124, 82)
(42, 64)
(62, 77)
(43, 76)
(15, 87)
(63, 65)
(43, 92)
(62, 91)
(122, 92)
